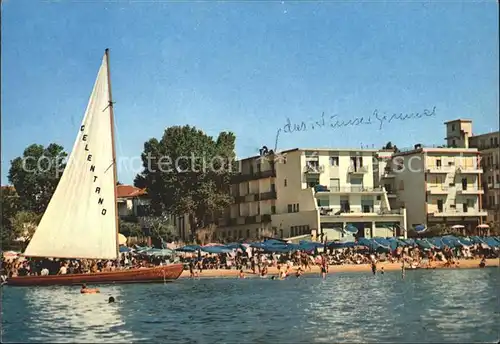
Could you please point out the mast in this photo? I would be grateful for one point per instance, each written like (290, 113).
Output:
(111, 118)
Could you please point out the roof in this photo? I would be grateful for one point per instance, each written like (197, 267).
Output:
(459, 120)
(129, 191)
(8, 187)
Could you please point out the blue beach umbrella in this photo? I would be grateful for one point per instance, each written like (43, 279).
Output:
(188, 248)
(216, 249)
(420, 228)
(351, 229)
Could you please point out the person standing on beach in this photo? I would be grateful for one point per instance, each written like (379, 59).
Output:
(324, 266)
(374, 266)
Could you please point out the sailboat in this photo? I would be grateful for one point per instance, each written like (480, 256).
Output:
(81, 219)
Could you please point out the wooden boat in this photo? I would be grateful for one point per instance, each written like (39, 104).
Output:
(165, 273)
(81, 219)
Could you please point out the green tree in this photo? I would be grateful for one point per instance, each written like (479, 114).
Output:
(9, 207)
(188, 172)
(131, 229)
(24, 224)
(35, 175)
(160, 228)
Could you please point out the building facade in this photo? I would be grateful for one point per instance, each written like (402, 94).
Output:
(489, 147)
(459, 133)
(439, 186)
(314, 192)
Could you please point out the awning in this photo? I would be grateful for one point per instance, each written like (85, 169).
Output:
(483, 226)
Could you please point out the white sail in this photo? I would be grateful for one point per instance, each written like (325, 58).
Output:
(80, 220)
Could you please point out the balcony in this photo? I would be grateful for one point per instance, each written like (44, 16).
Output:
(469, 169)
(338, 213)
(388, 173)
(391, 194)
(451, 212)
(267, 195)
(437, 189)
(470, 191)
(314, 169)
(350, 189)
(440, 169)
(250, 220)
(239, 178)
(265, 218)
(357, 169)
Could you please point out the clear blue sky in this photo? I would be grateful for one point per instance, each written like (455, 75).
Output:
(246, 67)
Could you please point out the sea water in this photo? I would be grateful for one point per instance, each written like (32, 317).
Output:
(425, 306)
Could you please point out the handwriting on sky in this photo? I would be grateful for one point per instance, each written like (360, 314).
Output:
(334, 122)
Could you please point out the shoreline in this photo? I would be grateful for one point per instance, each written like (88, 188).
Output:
(223, 273)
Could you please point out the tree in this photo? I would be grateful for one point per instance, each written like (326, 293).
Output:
(35, 175)
(130, 229)
(160, 227)
(24, 224)
(188, 172)
(388, 145)
(9, 207)
(206, 235)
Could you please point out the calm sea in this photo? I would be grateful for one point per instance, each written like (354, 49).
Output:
(427, 306)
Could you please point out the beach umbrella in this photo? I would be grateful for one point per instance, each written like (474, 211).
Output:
(162, 253)
(351, 229)
(122, 239)
(216, 249)
(189, 248)
(124, 249)
(420, 228)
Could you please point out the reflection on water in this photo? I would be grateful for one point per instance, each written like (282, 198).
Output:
(55, 311)
(427, 306)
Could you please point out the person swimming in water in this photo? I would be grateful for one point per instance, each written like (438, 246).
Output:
(86, 290)
(111, 299)
(299, 272)
(241, 274)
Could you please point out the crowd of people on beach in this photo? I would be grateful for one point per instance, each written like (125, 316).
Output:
(48, 266)
(254, 260)
(258, 262)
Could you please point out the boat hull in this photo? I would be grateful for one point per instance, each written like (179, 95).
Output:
(165, 273)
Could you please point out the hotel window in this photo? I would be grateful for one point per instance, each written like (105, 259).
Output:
(344, 206)
(248, 233)
(401, 185)
(290, 208)
(323, 202)
(440, 205)
(334, 161)
(357, 184)
(334, 184)
(273, 209)
(438, 162)
(298, 207)
(498, 178)
(453, 127)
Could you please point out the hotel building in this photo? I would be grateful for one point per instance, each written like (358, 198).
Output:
(439, 186)
(315, 192)
(459, 133)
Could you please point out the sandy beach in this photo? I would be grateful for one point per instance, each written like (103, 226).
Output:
(463, 264)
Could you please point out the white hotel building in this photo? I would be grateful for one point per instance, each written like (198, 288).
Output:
(315, 192)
